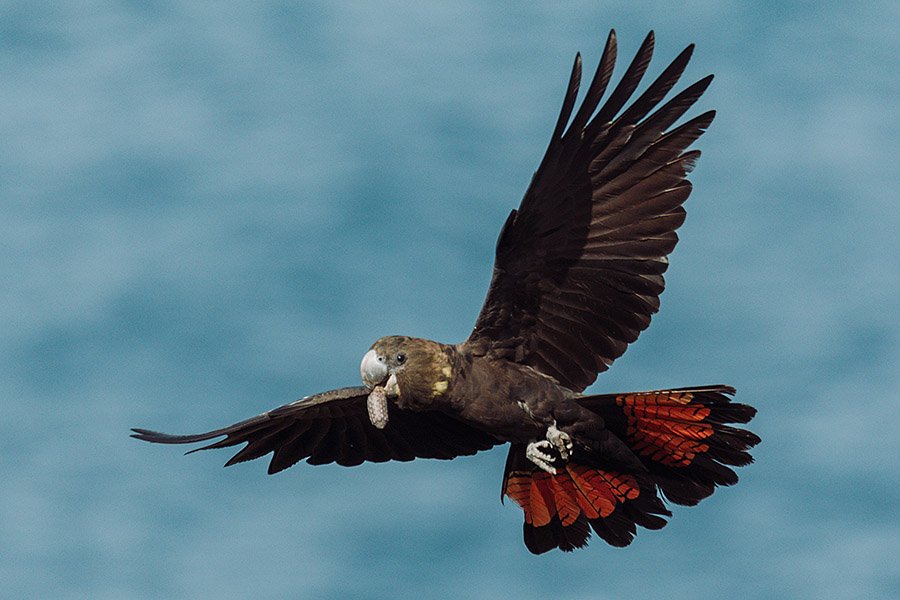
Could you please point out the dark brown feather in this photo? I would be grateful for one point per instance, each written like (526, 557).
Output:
(334, 427)
(579, 266)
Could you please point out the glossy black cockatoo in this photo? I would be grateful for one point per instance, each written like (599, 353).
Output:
(578, 273)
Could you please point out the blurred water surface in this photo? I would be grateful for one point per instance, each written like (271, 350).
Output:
(211, 209)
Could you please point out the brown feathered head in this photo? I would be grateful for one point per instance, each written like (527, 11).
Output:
(415, 370)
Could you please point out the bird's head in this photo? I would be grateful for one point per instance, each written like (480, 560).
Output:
(411, 368)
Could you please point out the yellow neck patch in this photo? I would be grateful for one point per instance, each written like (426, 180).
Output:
(440, 386)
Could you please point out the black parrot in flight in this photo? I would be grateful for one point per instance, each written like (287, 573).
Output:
(577, 275)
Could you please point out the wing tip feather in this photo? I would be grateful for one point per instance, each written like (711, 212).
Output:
(158, 437)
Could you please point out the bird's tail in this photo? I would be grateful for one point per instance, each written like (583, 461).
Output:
(683, 436)
(562, 509)
(682, 439)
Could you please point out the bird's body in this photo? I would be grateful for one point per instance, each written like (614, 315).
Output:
(522, 402)
(512, 402)
(578, 273)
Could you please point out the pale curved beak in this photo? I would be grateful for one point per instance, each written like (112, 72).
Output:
(372, 369)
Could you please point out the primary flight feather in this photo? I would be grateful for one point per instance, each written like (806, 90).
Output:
(577, 275)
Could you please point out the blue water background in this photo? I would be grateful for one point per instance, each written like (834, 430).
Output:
(209, 209)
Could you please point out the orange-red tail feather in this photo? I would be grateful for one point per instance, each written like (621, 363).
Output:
(683, 436)
(560, 510)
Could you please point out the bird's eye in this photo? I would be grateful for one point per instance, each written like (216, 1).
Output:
(401, 358)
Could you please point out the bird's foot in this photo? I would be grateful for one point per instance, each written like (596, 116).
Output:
(538, 453)
(561, 440)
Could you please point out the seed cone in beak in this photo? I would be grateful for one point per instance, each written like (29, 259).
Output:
(376, 403)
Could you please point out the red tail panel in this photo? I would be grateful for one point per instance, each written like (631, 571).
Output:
(574, 491)
(566, 496)
(683, 436)
(665, 427)
(561, 509)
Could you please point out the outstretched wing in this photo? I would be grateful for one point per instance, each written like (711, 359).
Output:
(334, 427)
(579, 266)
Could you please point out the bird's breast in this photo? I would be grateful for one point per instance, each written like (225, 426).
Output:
(506, 400)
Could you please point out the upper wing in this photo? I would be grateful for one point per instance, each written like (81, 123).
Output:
(334, 427)
(579, 266)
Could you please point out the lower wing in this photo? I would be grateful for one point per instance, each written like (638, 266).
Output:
(334, 427)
